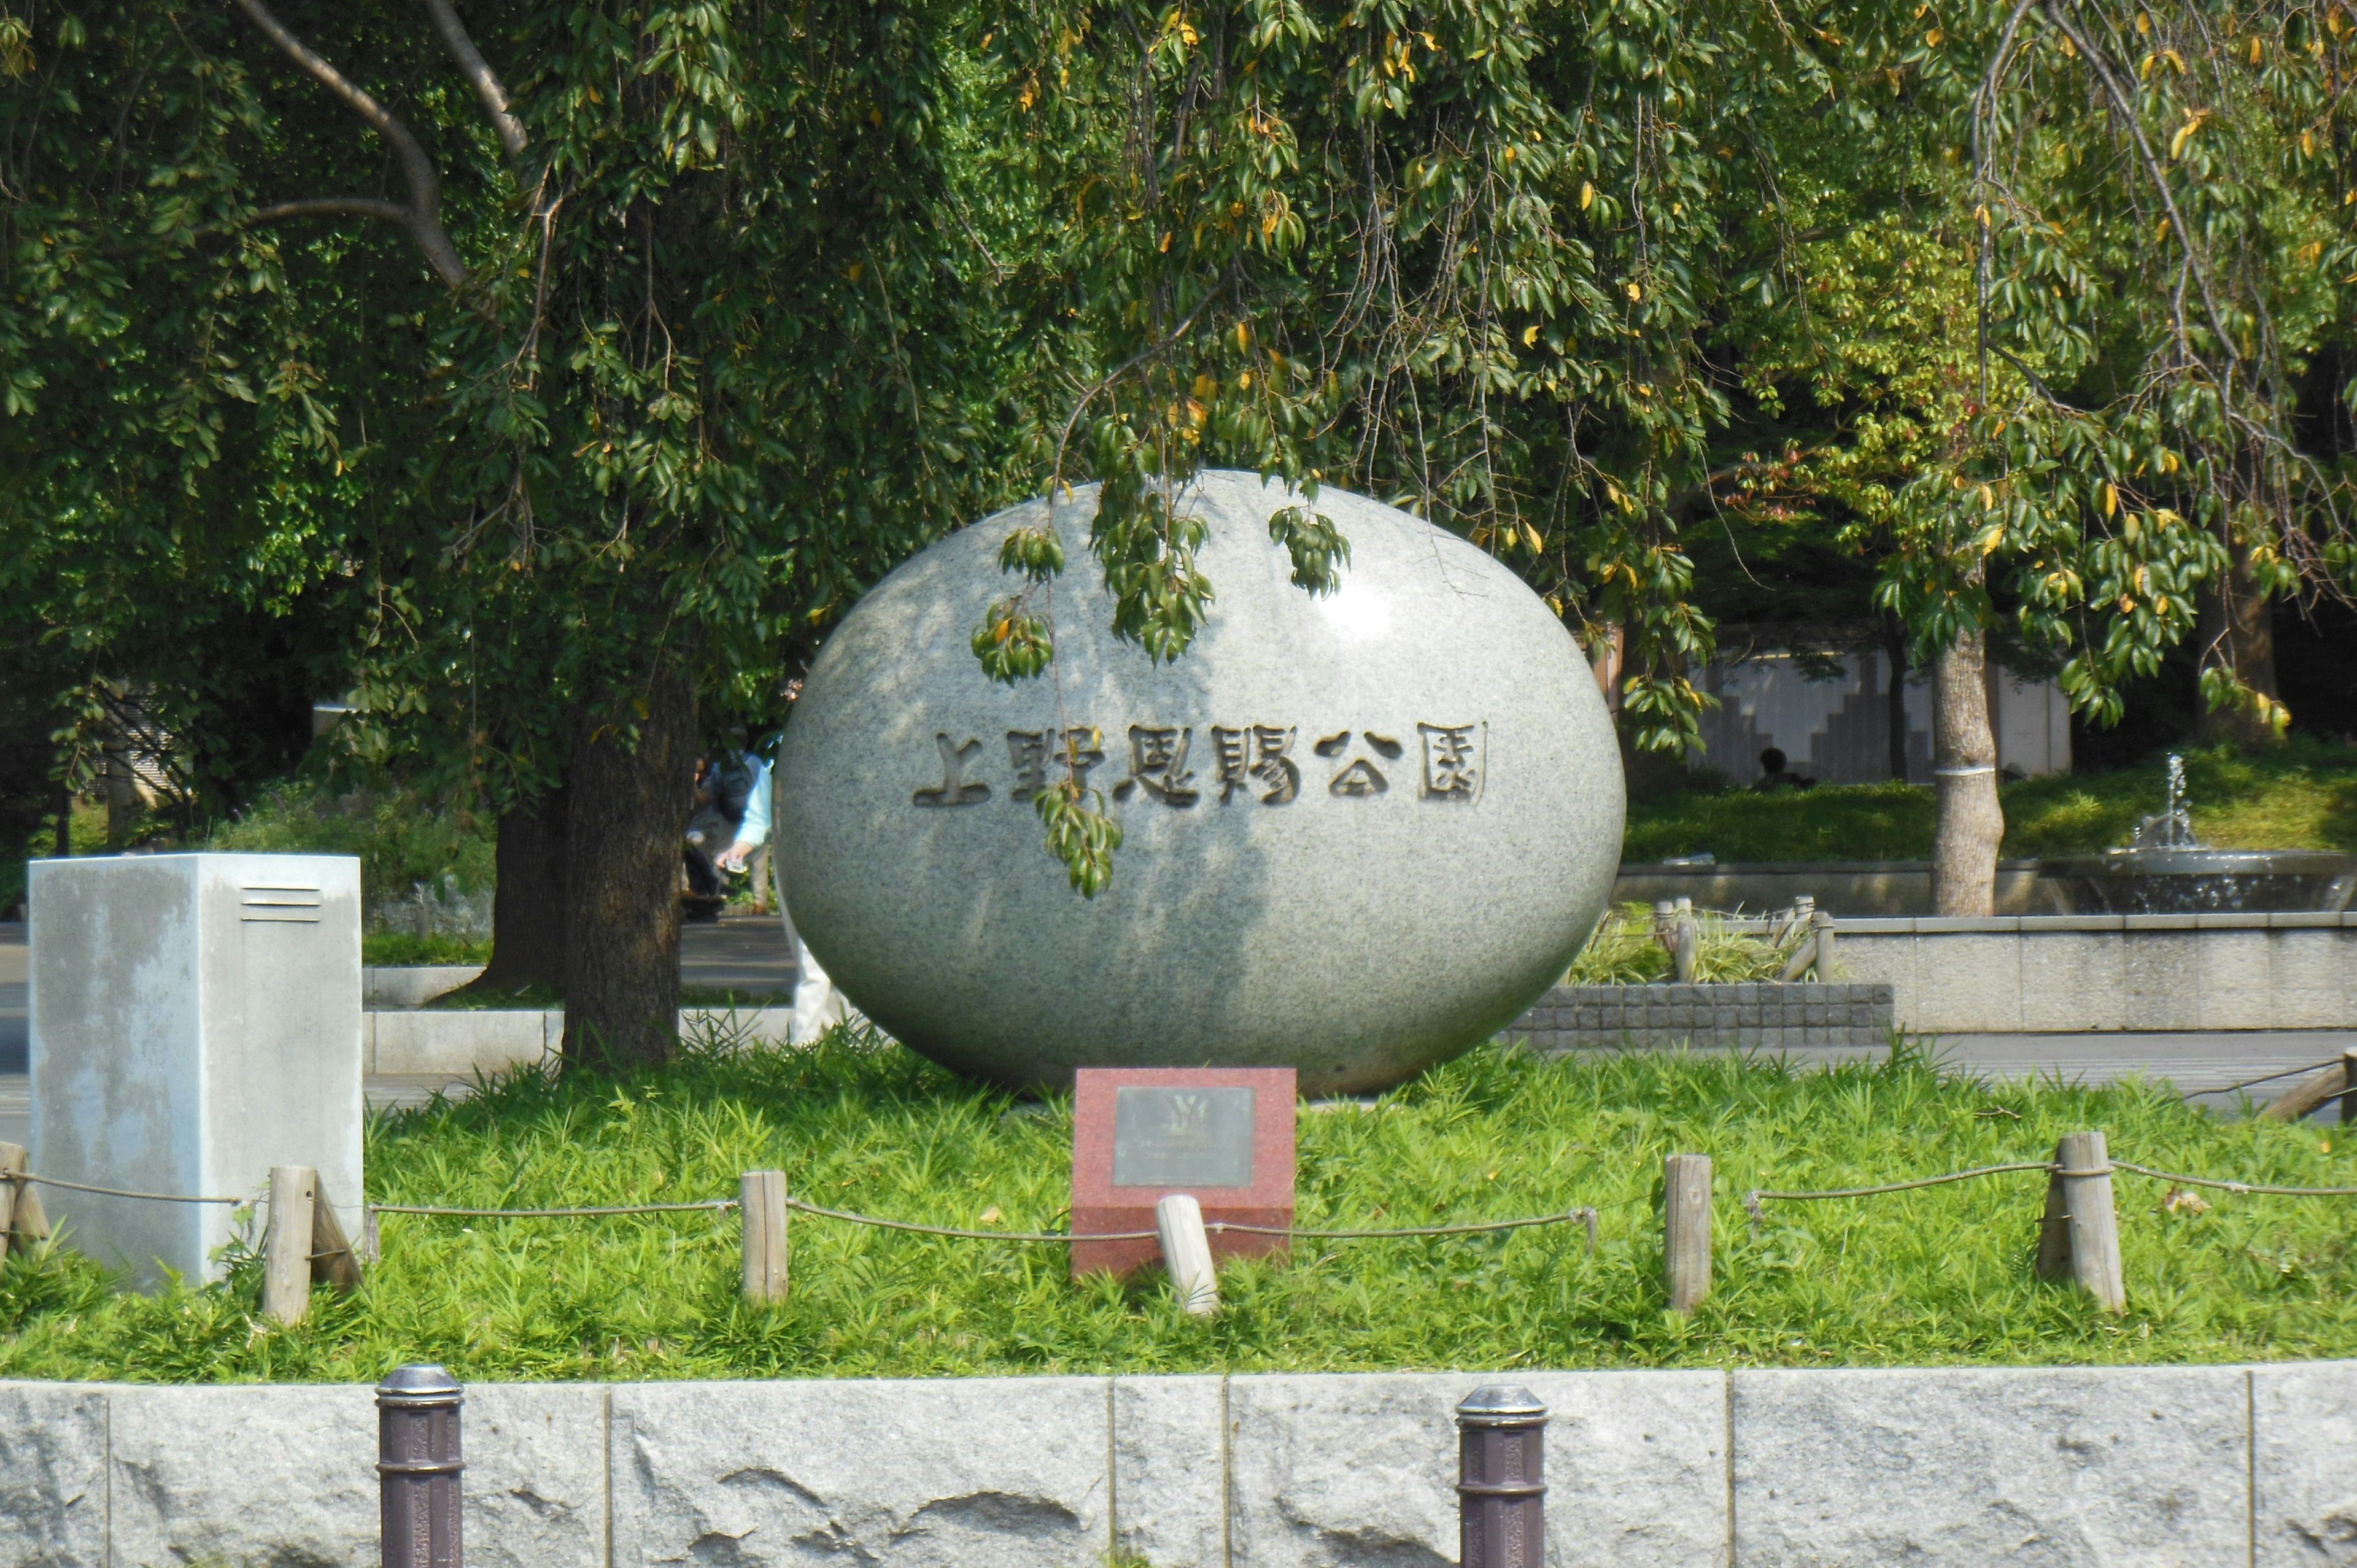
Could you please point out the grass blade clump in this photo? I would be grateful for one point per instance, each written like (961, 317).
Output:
(1941, 1275)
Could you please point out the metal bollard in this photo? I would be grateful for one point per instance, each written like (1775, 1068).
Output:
(418, 1465)
(1502, 1478)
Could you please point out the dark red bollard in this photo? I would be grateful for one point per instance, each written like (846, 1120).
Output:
(1500, 1480)
(418, 1467)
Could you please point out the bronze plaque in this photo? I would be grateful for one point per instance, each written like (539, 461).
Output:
(1182, 1137)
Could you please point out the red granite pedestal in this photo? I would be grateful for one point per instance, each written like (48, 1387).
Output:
(1225, 1134)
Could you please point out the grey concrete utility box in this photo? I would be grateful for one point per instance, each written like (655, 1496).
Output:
(196, 1019)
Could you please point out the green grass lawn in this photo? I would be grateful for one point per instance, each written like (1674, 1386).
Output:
(1935, 1276)
(2302, 795)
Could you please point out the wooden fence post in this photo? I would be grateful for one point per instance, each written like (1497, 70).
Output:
(2079, 1238)
(2348, 1087)
(21, 1217)
(1685, 1230)
(286, 1245)
(763, 1197)
(333, 1261)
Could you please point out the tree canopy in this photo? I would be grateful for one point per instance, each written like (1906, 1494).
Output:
(552, 375)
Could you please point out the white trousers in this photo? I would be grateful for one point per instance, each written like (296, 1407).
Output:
(818, 1006)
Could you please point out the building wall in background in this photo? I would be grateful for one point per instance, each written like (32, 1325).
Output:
(1836, 730)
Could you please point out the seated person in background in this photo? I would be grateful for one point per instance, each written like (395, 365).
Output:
(1772, 775)
(731, 808)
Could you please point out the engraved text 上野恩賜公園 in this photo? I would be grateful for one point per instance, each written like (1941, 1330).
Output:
(1249, 763)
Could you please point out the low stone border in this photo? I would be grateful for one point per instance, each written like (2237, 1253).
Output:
(419, 1042)
(2158, 1466)
(2074, 974)
(1751, 1016)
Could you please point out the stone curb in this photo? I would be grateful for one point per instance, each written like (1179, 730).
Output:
(2158, 1466)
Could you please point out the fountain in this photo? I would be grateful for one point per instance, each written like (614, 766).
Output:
(2165, 870)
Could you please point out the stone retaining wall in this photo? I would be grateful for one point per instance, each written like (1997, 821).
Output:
(2071, 974)
(2255, 1467)
(1764, 1016)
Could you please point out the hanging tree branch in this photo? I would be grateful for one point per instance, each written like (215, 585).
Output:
(422, 214)
(479, 75)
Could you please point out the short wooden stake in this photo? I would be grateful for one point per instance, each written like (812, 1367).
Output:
(2079, 1238)
(2348, 1087)
(2310, 1094)
(1186, 1253)
(763, 1197)
(1822, 924)
(22, 1220)
(1685, 1230)
(12, 1159)
(286, 1246)
(333, 1261)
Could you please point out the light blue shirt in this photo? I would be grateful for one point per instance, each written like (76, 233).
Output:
(754, 831)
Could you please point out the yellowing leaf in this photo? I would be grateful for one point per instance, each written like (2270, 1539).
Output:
(1634, 292)
(1932, 39)
(1988, 498)
(1588, 195)
(1530, 336)
(2256, 49)
(1531, 537)
(2144, 23)
(2111, 499)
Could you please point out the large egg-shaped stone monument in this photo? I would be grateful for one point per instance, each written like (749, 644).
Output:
(1359, 833)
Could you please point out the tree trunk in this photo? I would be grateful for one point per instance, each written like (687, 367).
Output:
(1894, 701)
(624, 828)
(122, 792)
(1971, 825)
(528, 907)
(2238, 629)
(65, 822)
(1605, 657)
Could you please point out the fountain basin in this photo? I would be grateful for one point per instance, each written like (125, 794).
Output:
(2173, 881)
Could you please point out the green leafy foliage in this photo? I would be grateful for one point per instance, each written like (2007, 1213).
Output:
(1936, 1276)
(1625, 950)
(1080, 832)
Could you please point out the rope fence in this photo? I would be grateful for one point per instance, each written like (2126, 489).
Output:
(2078, 1233)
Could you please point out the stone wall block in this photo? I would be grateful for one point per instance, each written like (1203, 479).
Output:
(52, 1476)
(2237, 980)
(1969, 982)
(2304, 1465)
(2128, 1467)
(947, 1473)
(278, 1474)
(459, 1040)
(2163, 979)
(1346, 1471)
(2311, 979)
(535, 1481)
(1170, 1470)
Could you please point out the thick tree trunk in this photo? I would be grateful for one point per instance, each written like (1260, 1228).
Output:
(1971, 825)
(628, 818)
(1894, 701)
(528, 908)
(2238, 628)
